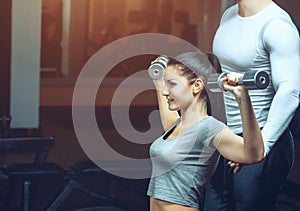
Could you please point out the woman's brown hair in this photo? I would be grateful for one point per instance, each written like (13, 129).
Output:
(193, 65)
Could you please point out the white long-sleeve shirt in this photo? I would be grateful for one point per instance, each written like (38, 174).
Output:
(266, 41)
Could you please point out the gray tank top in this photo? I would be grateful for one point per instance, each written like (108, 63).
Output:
(181, 167)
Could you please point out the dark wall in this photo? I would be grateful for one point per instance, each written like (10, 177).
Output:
(5, 54)
(293, 8)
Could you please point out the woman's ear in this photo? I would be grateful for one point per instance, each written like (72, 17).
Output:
(198, 86)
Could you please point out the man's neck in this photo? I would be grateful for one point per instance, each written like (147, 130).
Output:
(251, 7)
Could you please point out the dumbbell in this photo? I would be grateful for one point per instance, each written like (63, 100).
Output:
(156, 69)
(252, 79)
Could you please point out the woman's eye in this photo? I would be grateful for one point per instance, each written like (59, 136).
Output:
(171, 84)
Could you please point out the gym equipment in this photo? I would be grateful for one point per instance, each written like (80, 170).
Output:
(252, 79)
(30, 174)
(156, 69)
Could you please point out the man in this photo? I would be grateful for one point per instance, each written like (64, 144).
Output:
(258, 34)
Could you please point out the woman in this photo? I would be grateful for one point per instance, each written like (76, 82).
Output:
(185, 156)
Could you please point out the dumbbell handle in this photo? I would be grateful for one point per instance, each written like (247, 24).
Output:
(252, 79)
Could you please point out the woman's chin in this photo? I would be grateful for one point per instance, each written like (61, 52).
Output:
(171, 108)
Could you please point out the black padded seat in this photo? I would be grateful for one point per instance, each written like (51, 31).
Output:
(29, 174)
(28, 171)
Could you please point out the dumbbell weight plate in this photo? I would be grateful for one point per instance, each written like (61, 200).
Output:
(157, 67)
(256, 79)
(156, 70)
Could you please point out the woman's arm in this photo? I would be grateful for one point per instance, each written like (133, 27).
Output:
(249, 148)
(167, 117)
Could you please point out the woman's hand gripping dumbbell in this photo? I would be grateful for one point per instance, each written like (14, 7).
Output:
(251, 80)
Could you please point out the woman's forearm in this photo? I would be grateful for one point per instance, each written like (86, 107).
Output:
(253, 141)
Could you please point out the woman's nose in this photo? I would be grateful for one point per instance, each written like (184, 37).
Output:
(165, 91)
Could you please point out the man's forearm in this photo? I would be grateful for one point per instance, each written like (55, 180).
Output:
(284, 105)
